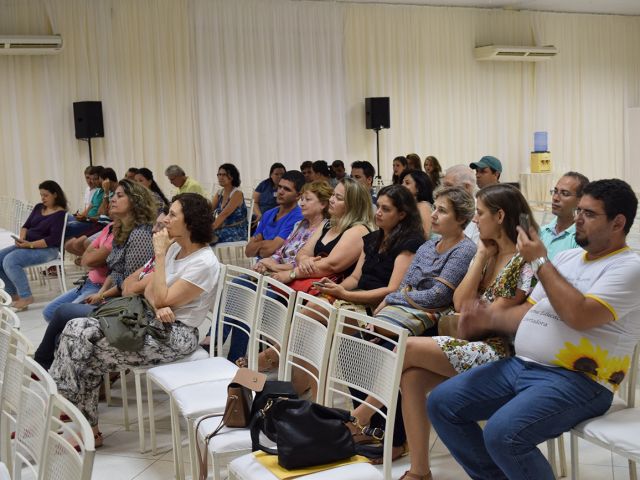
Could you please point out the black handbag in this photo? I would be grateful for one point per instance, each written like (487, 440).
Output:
(306, 433)
(125, 321)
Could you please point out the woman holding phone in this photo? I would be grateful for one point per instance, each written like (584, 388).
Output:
(38, 242)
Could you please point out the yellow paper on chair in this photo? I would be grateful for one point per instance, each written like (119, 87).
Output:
(270, 462)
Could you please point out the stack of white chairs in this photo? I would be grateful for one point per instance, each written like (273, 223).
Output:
(616, 430)
(359, 365)
(236, 307)
(306, 350)
(32, 435)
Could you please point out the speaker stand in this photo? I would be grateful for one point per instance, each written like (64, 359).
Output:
(88, 140)
(377, 181)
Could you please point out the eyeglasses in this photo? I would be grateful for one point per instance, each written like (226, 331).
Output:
(562, 193)
(588, 214)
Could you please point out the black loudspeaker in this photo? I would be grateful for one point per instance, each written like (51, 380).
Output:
(87, 117)
(376, 110)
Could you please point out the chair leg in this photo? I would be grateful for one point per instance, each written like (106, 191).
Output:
(191, 434)
(215, 466)
(137, 374)
(551, 455)
(152, 416)
(125, 399)
(563, 456)
(176, 440)
(107, 389)
(574, 456)
(633, 474)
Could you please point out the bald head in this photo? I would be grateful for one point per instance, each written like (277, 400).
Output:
(460, 176)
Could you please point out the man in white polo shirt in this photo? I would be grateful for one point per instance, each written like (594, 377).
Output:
(574, 341)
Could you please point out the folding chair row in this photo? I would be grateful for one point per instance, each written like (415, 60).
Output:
(354, 365)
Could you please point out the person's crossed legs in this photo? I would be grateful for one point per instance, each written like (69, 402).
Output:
(525, 404)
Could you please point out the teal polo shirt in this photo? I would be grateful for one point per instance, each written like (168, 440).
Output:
(557, 243)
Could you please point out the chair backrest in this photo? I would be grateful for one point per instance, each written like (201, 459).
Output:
(236, 306)
(35, 397)
(310, 338)
(10, 396)
(631, 381)
(64, 232)
(5, 298)
(273, 320)
(367, 367)
(249, 204)
(60, 460)
(9, 316)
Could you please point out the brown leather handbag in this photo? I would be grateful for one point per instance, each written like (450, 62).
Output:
(237, 410)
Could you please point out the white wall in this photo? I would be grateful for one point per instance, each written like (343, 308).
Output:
(203, 82)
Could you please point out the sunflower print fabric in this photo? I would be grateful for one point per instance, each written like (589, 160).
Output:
(593, 361)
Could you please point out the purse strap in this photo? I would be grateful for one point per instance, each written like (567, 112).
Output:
(255, 427)
(410, 301)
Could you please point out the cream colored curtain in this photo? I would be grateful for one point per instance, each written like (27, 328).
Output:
(203, 82)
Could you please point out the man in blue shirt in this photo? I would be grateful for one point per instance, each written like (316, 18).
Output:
(560, 234)
(276, 224)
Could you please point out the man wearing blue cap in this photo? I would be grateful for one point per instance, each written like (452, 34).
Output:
(488, 170)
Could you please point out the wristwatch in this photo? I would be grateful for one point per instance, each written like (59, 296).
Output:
(292, 274)
(537, 263)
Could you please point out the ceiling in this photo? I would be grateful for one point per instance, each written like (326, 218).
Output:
(618, 7)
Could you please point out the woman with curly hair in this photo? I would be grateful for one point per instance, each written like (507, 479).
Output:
(133, 212)
(230, 210)
(180, 292)
(433, 169)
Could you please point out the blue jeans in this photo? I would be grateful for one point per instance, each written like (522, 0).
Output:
(14, 260)
(76, 295)
(525, 404)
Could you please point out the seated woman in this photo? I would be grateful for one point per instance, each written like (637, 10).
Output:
(498, 277)
(333, 250)
(264, 195)
(434, 170)
(95, 258)
(230, 211)
(420, 186)
(399, 166)
(181, 291)
(314, 204)
(38, 242)
(386, 255)
(133, 211)
(145, 177)
(438, 267)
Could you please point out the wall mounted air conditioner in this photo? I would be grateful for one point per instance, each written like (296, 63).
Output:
(515, 54)
(30, 44)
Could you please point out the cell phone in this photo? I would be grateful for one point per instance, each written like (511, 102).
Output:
(15, 237)
(317, 284)
(525, 222)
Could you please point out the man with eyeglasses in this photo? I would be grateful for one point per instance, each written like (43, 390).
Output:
(560, 233)
(574, 340)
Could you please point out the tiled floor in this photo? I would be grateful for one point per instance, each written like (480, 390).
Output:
(119, 458)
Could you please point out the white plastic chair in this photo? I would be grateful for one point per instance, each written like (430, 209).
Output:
(35, 398)
(235, 306)
(11, 393)
(616, 430)
(5, 298)
(359, 365)
(9, 316)
(271, 328)
(58, 263)
(307, 349)
(60, 459)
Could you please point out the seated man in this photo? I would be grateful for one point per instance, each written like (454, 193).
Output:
(178, 178)
(574, 340)
(560, 233)
(365, 173)
(276, 224)
(488, 170)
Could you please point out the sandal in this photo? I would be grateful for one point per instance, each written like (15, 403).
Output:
(97, 442)
(396, 453)
(409, 476)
